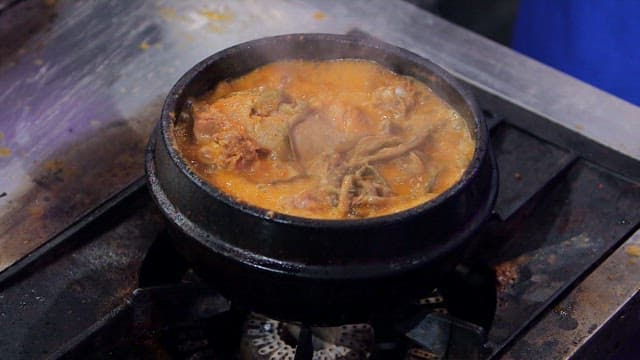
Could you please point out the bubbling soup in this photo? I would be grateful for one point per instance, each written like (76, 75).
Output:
(339, 139)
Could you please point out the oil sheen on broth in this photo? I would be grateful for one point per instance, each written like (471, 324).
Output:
(338, 139)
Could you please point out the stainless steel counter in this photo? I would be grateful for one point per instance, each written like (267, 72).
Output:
(82, 83)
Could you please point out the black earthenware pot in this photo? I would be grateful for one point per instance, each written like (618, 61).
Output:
(317, 271)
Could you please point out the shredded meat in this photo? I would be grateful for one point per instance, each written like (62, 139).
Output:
(345, 195)
(345, 162)
(362, 188)
(388, 153)
(368, 181)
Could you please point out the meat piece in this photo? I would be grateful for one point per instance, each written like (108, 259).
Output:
(395, 102)
(263, 114)
(371, 144)
(204, 121)
(226, 114)
(267, 115)
(272, 172)
(272, 131)
(406, 174)
(362, 188)
(317, 200)
(364, 201)
(345, 195)
(268, 100)
(311, 137)
(390, 152)
(330, 168)
(223, 88)
(431, 179)
(411, 165)
(219, 130)
(329, 130)
(367, 181)
(230, 150)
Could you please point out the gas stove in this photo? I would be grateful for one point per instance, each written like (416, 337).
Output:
(112, 286)
(556, 277)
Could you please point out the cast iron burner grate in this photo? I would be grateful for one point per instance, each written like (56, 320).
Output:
(174, 314)
(268, 339)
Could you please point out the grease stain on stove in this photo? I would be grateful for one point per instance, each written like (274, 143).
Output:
(529, 350)
(36, 211)
(319, 15)
(58, 179)
(507, 274)
(217, 20)
(55, 171)
(213, 15)
(567, 323)
(565, 320)
(633, 250)
(169, 13)
(144, 45)
(539, 291)
(5, 151)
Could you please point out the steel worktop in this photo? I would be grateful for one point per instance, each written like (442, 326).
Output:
(81, 85)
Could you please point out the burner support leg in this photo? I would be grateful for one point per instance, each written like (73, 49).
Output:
(304, 349)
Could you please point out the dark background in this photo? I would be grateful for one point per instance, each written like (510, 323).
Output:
(493, 19)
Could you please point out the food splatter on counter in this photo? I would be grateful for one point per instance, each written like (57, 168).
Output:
(319, 15)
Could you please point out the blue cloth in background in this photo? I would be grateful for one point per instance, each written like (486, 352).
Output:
(597, 41)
